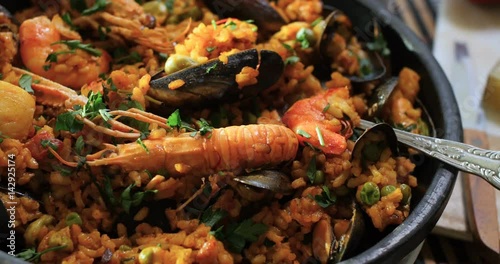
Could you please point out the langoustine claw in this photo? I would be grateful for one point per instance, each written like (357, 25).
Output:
(318, 120)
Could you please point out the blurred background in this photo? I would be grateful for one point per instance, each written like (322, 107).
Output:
(464, 36)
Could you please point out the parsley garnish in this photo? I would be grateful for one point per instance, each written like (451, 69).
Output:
(48, 143)
(99, 5)
(326, 198)
(52, 57)
(170, 5)
(128, 200)
(237, 235)
(231, 24)
(79, 144)
(379, 44)
(205, 127)
(31, 255)
(210, 68)
(288, 47)
(76, 44)
(303, 133)
(249, 21)
(2, 137)
(292, 60)
(66, 17)
(139, 141)
(214, 24)
(320, 137)
(302, 38)
(317, 21)
(131, 58)
(407, 128)
(311, 169)
(327, 106)
(174, 120)
(94, 107)
(212, 217)
(25, 83)
(103, 32)
(210, 49)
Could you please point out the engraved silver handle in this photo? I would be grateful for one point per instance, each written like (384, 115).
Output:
(481, 162)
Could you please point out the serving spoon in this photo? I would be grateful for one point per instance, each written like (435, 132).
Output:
(480, 162)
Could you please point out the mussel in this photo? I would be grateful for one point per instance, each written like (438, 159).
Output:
(335, 25)
(329, 247)
(214, 81)
(271, 180)
(261, 12)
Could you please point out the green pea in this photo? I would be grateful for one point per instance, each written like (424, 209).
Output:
(319, 177)
(73, 218)
(386, 190)
(124, 248)
(371, 152)
(146, 256)
(178, 62)
(370, 194)
(406, 190)
(156, 8)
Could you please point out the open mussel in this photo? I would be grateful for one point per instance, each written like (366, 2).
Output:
(215, 81)
(261, 12)
(335, 238)
(336, 52)
(271, 180)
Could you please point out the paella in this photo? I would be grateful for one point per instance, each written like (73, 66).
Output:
(186, 132)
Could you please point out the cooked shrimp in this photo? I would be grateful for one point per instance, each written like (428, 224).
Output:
(37, 37)
(17, 108)
(227, 149)
(318, 120)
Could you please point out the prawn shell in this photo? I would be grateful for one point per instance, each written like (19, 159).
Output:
(231, 148)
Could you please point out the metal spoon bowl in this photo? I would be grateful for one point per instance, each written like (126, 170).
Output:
(481, 162)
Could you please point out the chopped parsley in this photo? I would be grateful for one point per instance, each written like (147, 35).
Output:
(31, 255)
(47, 143)
(327, 106)
(210, 68)
(214, 24)
(79, 144)
(52, 57)
(407, 128)
(303, 133)
(304, 37)
(174, 120)
(66, 17)
(76, 44)
(311, 169)
(25, 83)
(231, 25)
(131, 58)
(320, 137)
(94, 107)
(316, 22)
(205, 127)
(103, 32)
(170, 5)
(128, 200)
(326, 198)
(287, 47)
(99, 5)
(2, 137)
(237, 235)
(292, 60)
(365, 67)
(139, 141)
(211, 217)
(379, 44)
(210, 49)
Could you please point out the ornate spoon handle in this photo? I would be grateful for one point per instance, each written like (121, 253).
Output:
(481, 162)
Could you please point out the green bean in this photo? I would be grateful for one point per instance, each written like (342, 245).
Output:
(319, 177)
(388, 189)
(178, 62)
(370, 193)
(406, 190)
